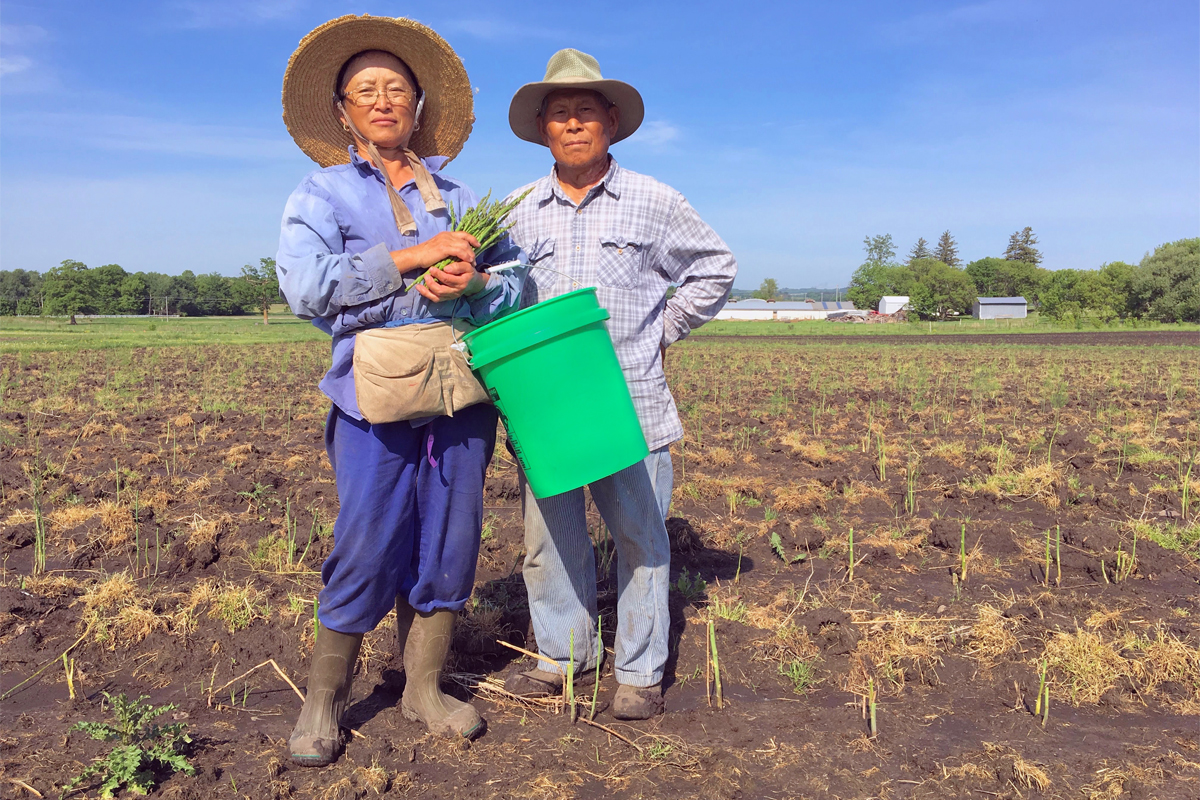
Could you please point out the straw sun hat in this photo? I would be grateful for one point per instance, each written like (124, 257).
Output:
(308, 85)
(571, 69)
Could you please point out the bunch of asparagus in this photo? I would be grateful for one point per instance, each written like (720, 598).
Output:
(485, 221)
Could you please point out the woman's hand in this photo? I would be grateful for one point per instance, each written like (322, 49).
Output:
(458, 279)
(448, 244)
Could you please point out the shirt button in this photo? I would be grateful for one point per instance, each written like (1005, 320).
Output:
(579, 211)
(404, 312)
(576, 247)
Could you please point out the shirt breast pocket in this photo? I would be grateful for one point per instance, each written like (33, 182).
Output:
(620, 263)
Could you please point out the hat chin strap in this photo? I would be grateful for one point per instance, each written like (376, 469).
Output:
(424, 180)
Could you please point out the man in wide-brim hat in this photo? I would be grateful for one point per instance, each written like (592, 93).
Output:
(595, 223)
(382, 104)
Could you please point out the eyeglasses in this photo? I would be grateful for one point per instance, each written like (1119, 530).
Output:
(365, 98)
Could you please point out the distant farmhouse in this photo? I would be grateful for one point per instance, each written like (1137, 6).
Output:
(891, 303)
(1000, 308)
(782, 309)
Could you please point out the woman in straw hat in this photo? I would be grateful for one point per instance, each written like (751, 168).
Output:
(382, 104)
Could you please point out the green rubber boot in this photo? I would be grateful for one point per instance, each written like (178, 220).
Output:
(425, 651)
(316, 740)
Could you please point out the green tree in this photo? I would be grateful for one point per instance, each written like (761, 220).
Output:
(20, 292)
(919, 251)
(872, 281)
(1112, 291)
(985, 273)
(106, 288)
(1067, 293)
(1021, 247)
(947, 250)
(68, 289)
(769, 290)
(880, 249)
(878, 275)
(1166, 285)
(214, 295)
(1019, 279)
(264, 283)
(938, 290)
(180, 295)
(134, 295)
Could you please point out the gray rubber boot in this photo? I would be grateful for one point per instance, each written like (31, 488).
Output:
(316, 740)
(404, 621)
(425, 652)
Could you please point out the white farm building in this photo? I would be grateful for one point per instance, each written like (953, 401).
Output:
(891, 303)
(1000, 308)
(782, 309)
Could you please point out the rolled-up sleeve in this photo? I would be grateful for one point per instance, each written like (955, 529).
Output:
(316, 276)
(694, 257)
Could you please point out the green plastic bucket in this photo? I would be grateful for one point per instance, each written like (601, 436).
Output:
(553, 373)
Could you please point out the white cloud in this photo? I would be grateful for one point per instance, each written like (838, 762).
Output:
(924, 26)
(656, 133)
(13, 64)
(225, 13)
(149, 135)
(501, 30)
(17, 35)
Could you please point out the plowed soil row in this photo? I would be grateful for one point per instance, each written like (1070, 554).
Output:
(188, 502)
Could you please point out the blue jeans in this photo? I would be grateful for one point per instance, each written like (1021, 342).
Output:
(560, 569)
(410, 517)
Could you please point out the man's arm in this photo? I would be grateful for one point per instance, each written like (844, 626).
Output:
(694, 257)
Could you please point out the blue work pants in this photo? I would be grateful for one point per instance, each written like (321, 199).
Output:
(560, 569)
(410, 518)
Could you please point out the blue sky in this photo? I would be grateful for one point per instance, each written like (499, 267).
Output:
(148, 134)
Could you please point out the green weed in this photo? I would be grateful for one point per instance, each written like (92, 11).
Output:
(143, 748)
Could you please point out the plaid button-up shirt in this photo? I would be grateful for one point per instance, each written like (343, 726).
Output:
(632, 238)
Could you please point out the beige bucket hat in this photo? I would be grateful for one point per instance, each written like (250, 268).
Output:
(308, 85)
(571, 69)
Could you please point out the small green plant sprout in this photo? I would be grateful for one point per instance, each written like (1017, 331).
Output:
(1185, 483)
(599, 658)
(1126, 562)
(569, 683)
(1046, 572)
(692, 587)
(143, 747)
(802, 674)
(881, 458)
(777, 546)
(910, 484)
(869, 702)
(69, 671)
(850, 574)
(962, 554)
(1045, 705)
(1058, 555)
(715, 662)
(1037, 706)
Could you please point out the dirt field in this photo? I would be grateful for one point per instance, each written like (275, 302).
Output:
(934, 527)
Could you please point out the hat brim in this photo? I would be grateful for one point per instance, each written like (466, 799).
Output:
(527, 102)
(308, 85)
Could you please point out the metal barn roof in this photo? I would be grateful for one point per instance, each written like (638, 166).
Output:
(1001, 301)
(790, 305)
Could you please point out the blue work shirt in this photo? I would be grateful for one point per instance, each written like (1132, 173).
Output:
(335, 268)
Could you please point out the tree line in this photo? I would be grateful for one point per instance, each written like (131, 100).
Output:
(1164, 286)
(73, 288)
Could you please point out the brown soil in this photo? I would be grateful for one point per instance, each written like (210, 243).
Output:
(1101, 338)
(204, 495)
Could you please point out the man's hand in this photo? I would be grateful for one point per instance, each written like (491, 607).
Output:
(458, 279)
(448, 244)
